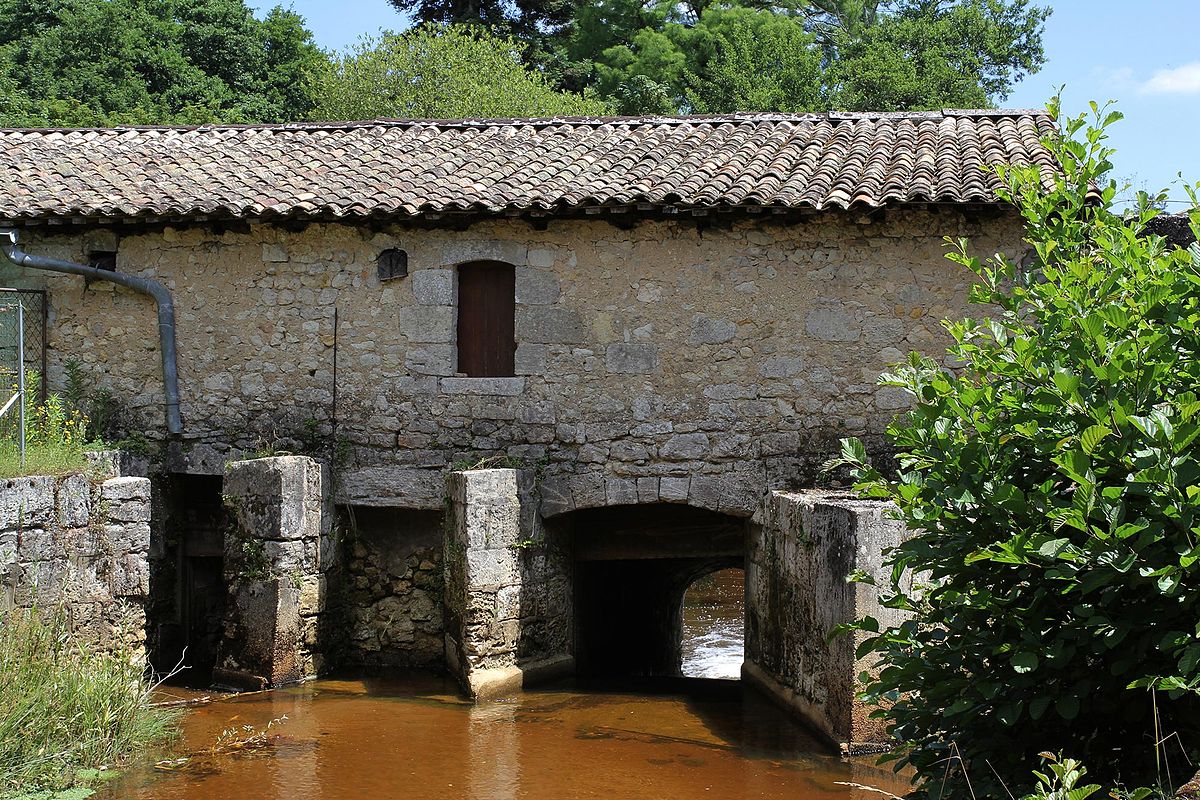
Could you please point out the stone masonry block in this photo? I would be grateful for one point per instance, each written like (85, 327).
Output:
(487, 513)
(705, 492)
(277, 498)
(75, 501)
(549, 325)
(647, 490)
(428, 324)
(537, 287)
(503, 387)
(893, 398)
(26, 502)
(587, 491)
(711, 330)
(740, 494)
(530, 359)
(620, 491)
(130, 576)
(432, 359)
(393, 487)
(123, 490)
(128, 537)
(433, 287)
(685, 447)
(457, 251)
(556, 497)
(631, 358)
(781, 367)
(492, 568)
(832, 326)
(674, 490)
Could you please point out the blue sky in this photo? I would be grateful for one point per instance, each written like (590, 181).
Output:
(1145, 55)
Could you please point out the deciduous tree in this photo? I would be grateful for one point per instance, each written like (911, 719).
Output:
(98, 62)
(880, 55)
(437, 71)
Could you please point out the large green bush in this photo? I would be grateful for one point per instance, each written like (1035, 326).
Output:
(1051, 475)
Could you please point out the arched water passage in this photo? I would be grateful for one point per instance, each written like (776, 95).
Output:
(714, 625)
(632, 567)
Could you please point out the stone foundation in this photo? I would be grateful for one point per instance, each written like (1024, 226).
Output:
(80, 545)
(801, 554)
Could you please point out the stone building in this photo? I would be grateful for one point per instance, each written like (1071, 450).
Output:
(648, 325)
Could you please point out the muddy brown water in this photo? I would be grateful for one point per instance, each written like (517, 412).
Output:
(411, 735)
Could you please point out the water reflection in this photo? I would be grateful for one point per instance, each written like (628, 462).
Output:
(714, 625)
(495, 752)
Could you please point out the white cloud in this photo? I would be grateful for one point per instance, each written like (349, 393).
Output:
(1114, 78)
(1181, 80)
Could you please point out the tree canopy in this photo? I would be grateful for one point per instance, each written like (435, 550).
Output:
(437, 71)
(100, 62)
(884, 55)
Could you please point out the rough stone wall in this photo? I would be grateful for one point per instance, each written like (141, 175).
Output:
(508, 607)
(80, 545)
(796, 595)
(393, 596)
(661, 350)
(278, 552)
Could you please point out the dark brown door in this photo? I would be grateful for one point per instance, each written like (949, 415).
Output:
(486, 319)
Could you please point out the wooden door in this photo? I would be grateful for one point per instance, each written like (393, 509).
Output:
(486, 319)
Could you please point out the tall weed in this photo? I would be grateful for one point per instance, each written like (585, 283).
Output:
(66, 707)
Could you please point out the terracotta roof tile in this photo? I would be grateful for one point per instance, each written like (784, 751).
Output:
(411, 168)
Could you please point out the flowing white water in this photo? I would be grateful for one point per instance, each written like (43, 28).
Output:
(714, 626)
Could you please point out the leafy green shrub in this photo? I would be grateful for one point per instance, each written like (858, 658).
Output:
(65, 707)
(1052, 480)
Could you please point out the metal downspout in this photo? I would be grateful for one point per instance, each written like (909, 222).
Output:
(160, 293)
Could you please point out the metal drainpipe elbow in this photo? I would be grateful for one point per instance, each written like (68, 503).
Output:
(9, 238)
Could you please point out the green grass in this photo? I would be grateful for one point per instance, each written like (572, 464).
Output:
(67, 710)
(41, 459)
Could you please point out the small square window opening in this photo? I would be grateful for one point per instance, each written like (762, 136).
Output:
(103, 259)
(392, 264)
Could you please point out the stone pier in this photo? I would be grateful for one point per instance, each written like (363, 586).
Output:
(801, 554)
(278, 550)
(508, 611)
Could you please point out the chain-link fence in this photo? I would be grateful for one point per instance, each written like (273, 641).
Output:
(22, 358)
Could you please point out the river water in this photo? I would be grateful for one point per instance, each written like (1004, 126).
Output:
(713, 626)
(411, 735)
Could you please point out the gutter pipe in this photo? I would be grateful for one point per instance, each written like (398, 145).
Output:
(160, 293)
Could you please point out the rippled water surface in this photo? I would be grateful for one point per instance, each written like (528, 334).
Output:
(713, 626)
(413, 737)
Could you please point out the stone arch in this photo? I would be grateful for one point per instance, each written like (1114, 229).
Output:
(736, 494)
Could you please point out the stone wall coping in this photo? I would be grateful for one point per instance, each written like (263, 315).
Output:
(833, 497)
